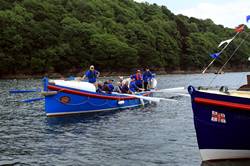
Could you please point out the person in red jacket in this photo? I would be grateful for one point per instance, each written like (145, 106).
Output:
(138, 78)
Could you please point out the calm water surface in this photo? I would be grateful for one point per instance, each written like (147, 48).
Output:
(161, 134)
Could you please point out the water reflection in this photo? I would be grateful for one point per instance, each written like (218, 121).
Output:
(227, 163)
(80, 118)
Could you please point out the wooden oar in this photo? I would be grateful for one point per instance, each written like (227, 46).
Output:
(153, 99)
(177, 89)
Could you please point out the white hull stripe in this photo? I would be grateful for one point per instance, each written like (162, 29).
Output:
(219, 154)
(90, 111)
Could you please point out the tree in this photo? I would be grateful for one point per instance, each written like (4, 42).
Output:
(39, 36)
(110, 53)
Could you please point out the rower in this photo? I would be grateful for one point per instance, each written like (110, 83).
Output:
(133, 87)
(125, 88)
(120, 78)
(91, 74)
(138, 78)
(108, 86)
(147, 76)
(118, 88)
(99, 87)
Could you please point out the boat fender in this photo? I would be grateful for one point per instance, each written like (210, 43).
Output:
(153, 83)
(121, 102)
(224, 89)
(49, 93)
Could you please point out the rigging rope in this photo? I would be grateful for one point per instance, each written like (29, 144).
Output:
(220, 70)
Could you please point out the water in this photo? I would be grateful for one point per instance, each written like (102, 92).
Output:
(161, 134)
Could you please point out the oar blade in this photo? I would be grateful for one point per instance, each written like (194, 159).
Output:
(153, 99)
(164, 99)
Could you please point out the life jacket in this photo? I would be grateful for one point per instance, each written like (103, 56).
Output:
(138, 76)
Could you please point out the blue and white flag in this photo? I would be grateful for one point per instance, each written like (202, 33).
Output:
(248, 18)
(226, 41)
(215, 55)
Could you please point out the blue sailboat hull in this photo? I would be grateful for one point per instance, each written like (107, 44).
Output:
(68, 101)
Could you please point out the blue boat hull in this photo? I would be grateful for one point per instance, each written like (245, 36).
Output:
(68, 101)
(222, 125)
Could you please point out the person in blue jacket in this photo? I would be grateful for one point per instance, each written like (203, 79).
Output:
(111, 86)
(91, 74)
(147, 76)
(133, 87)
(138, 78)
(108, 86)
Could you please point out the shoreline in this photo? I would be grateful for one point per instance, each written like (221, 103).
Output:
(108, 74)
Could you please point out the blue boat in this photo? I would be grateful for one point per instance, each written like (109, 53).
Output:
(222, 122)
(61, 98)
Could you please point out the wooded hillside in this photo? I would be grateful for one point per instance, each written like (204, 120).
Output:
(39, 36)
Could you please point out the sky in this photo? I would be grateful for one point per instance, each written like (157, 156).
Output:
(229, 13)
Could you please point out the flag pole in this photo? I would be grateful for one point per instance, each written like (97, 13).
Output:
(208, 66)
(203, 72)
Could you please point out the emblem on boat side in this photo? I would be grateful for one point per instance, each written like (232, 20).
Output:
(218, 117)
(64, 99)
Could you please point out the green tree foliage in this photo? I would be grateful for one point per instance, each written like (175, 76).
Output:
(39, 36)
(108, 51)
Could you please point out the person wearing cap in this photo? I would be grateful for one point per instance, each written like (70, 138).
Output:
(91, 74)
(147, 76)
(138, 78)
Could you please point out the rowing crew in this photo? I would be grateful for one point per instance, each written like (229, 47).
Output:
(137, 82)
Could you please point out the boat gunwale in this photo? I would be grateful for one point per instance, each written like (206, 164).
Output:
(233, 93)
(200, 97)
(222, 103)
(93, 94)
